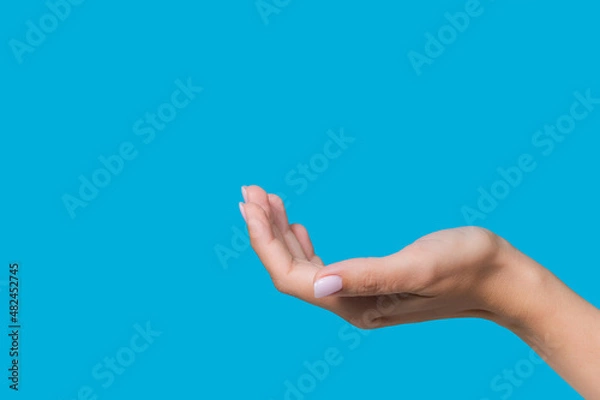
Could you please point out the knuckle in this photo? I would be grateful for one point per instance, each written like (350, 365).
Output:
(370, 319)
(281, 286)
(486, 241)
(370, 284)
(484, 236)
(358, 322)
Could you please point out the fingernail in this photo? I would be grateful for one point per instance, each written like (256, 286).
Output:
(243, 211)
(328, 285)
(244, 194)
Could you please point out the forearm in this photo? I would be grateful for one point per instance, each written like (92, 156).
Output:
(558, 324)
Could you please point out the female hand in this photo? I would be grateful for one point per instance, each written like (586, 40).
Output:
(463, 272)
(454, 273)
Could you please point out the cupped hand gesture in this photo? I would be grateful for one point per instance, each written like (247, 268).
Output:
(447, 274)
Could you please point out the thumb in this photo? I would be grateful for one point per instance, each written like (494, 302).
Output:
(368, 277)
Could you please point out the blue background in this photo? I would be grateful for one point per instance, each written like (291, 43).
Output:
(145, 248)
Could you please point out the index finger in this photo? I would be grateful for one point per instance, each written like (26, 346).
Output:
(272, 252)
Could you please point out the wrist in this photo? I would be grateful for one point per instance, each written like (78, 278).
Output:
(518, 291)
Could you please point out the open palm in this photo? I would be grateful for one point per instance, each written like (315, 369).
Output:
(446, 274)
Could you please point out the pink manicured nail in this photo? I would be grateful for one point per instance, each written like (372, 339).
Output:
(243, 211)
(328, 285)
(244, 194)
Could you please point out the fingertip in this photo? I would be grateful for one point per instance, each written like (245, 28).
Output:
(258, 196)
(253, 191)
(327, 286)
(299, 229)
(276, 204)
(275, 199)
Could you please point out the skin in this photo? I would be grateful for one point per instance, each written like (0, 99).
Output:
(456, 273)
